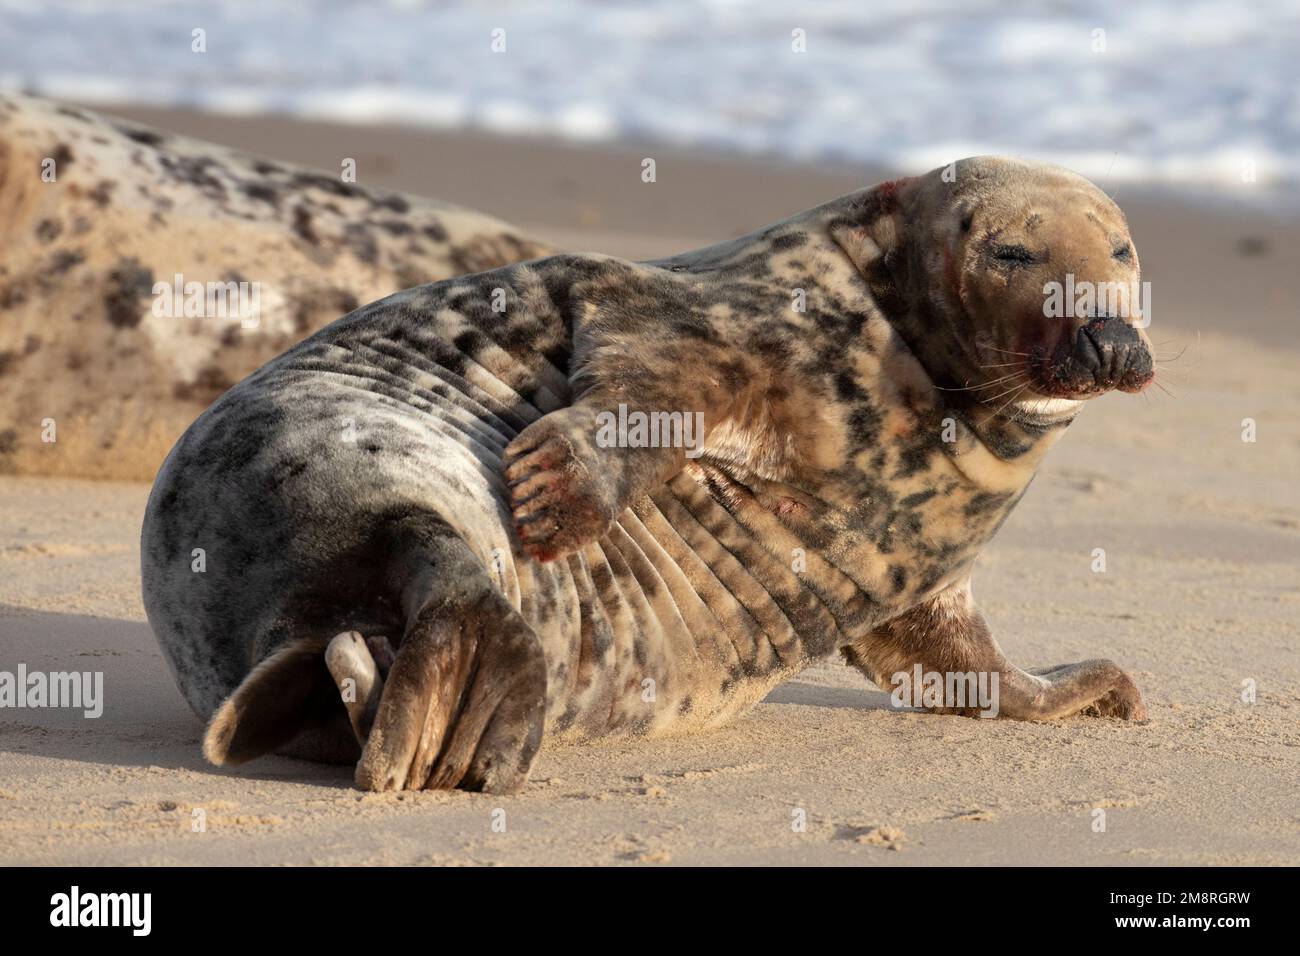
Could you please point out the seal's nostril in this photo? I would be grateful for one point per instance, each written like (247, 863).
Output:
(1138, 369)
(1086, 352)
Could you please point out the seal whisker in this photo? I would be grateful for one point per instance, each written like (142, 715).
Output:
(1010, 400)
(972, 388)
(975, 388)
(1022, 378)
(1023, 383)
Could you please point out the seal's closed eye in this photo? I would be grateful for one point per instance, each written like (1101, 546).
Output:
(1014, 254)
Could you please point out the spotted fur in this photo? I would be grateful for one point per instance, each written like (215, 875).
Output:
(427, 469)
(131, 206)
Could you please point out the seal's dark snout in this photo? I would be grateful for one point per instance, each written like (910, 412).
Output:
(1102, 346)
(1106, 353)
(1114, 354)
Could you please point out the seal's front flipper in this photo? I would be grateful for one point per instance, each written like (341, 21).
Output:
(1072, 682)
(571, 473)
(942, 649)
(563, 494)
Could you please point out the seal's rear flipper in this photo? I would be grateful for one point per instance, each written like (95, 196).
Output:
(464, 704)
(288, 696)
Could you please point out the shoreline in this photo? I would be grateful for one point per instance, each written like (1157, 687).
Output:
(1274, 201)
(590, 198)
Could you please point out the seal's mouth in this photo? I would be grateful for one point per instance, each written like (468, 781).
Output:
(1105, 353)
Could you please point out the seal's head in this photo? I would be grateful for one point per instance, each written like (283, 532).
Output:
(1016, 281)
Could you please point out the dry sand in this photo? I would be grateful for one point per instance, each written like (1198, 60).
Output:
(1201, 532)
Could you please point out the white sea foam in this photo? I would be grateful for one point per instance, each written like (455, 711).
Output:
(1190, 93)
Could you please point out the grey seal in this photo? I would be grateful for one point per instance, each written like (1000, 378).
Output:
(481, 499)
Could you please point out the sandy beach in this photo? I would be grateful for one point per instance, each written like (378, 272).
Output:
(1200, 601)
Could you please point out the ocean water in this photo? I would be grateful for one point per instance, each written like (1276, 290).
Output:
(1201, 96)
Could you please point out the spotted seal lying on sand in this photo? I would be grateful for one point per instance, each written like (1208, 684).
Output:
(96, 212)
(465, 475)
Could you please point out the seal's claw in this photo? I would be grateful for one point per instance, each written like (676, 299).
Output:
(557, 501)
(1124, 702)
(1098, 688)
